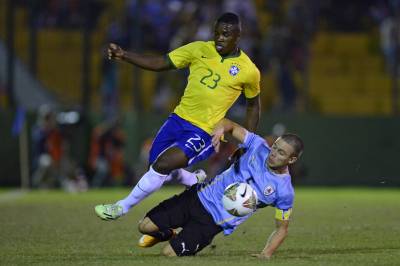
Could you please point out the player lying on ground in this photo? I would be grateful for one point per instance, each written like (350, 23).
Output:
(199, 210)
(219, 73)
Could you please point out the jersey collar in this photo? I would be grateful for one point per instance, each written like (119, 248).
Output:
(276, 174)
(237, 54)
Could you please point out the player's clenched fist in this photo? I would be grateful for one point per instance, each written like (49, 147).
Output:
(114, 51)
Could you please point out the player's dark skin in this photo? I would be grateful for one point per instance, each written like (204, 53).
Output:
(226, 38)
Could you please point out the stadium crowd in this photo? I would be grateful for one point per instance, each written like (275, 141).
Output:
(282, 49)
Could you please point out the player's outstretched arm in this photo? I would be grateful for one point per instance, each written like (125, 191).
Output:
(227, 126)
(275, 240)
(149, 62)
(253, 113)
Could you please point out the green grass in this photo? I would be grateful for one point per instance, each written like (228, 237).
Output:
(329, 227)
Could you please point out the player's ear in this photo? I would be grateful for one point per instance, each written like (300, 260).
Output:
(239, 32)
(292, 159)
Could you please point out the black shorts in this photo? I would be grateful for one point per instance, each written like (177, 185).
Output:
(185, 210)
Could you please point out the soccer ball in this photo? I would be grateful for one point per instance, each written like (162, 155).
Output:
(239, 199)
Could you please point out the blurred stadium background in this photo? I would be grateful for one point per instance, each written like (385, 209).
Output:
(69, 118)
(73, 121)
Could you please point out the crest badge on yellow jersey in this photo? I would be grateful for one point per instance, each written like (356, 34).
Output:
(234, 70)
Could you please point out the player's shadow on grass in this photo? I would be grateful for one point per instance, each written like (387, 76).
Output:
(294, 253)
(302, 253)
(297, 253)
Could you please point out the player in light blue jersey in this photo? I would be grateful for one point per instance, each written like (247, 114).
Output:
(199, 210)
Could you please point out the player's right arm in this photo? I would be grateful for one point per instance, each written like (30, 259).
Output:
(227, 126)
(149, 62)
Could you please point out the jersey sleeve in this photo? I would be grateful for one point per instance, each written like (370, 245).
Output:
(252, 86)
(252, 140)
(182, 56)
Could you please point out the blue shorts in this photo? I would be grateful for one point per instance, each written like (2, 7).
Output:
(177, 132)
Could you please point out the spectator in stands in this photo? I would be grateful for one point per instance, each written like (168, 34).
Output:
(247, 11)
(277, 55)
(48, 141)
(387, 15)
(115, 32)
(67, 13)
(390, 42)
(106, 154)
(286, 49)
(3, 96)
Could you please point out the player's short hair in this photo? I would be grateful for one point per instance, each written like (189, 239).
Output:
(295, 141)
(229, 18)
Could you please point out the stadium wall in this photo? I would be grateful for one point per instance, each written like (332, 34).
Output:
(338, 150)
(344, 150)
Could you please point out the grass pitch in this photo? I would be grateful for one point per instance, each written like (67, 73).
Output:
(330, 226)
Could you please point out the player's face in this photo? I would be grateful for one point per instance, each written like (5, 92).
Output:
(281, 155)
(226, 37)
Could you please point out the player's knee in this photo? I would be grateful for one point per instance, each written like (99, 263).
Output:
(162, 166)
(168, 251)
(146, 226)
(171, 159)
(142, 227)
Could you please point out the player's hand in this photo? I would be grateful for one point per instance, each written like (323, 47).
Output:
(261, 256)
(115, 52)
(217, 135)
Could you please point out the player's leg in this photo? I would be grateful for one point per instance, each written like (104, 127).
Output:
(177, 145)
(152, 234)
(160, 222)
(171, 159)
(196, 145)
(190, 146)
(186, 177)
(193, 238)
(173, 162)
(147, 226)
(150, 181)
(168, 251)
(196, 234)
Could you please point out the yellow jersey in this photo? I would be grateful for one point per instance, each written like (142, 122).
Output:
(214, 82)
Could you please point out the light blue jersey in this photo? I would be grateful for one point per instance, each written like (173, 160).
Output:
(272, 189)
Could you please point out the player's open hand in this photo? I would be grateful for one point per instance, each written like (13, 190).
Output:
(115, 52)
(261, 256)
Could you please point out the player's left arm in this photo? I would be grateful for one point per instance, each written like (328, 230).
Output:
(253, 113)
(252, 94)
(282, 217)
(275, 239)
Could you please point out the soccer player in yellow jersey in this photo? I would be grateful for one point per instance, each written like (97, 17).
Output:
(219, 73)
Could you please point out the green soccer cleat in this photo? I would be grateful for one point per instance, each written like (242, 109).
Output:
(108, 211)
